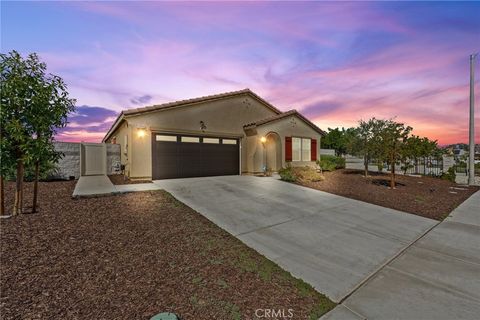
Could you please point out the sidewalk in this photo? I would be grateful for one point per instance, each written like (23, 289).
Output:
(88, 186)
(435, 278)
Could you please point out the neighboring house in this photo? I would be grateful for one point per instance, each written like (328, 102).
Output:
(224, 134)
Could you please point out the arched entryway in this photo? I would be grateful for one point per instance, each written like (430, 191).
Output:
(273, 149)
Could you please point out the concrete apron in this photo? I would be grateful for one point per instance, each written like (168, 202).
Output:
(331, 242)
(437, 277)
(90, 186)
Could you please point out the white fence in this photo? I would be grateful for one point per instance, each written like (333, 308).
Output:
(327, 152)
(68, 167)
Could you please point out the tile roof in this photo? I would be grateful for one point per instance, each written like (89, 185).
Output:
(284, 115)
(198, 100)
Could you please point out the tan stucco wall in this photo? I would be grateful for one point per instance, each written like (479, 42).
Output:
(122, 131)
(287, 127)
(224, 117)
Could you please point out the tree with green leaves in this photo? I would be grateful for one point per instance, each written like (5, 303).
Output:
(338, 139)
(392, 137)
(364, 141)
(410, 152)
(415, 148)
(34, 105)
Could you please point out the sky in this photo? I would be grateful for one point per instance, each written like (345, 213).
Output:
(336, 62)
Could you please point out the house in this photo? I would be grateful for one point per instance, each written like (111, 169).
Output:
(223, 134)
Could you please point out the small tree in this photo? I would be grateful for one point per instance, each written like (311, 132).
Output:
(360, 142)
(34, 104)
(364, 141)
(392, 138)
(337, 139)
(415, 148)
(410, 151)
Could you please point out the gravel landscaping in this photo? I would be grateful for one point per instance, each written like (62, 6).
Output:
(131, 256)
(119, 179)
(425, 196)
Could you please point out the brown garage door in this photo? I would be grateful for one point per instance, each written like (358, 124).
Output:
(180, 156)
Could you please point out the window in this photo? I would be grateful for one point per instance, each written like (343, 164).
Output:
(229, 141)
(211, 140)
(190, 139)
(306, 152)
(296, 149)
(301, 149)
(159, 137)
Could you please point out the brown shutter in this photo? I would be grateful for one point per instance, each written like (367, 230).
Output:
(288, 148)
(313, 149)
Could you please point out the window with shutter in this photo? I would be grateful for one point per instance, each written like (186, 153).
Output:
(288, 148)
(314, 150)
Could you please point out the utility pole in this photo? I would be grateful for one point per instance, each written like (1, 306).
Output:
(471, 140)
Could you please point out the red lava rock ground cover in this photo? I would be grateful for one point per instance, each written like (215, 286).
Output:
(118, 179)
(424, 196)
(131, 256)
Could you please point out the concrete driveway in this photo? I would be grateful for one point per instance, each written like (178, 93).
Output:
(333, 243)
(438, 277)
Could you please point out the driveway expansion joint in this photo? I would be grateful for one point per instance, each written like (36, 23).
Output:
(435, 284)
(385, 264)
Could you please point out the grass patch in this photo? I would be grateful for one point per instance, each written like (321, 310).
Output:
(232, 309)
(222, 283)
(420, 199)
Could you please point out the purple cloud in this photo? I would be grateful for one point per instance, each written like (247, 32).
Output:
(335, 62)
(141, 100)
(87, 123)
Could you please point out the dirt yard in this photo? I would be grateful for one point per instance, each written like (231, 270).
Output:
(134, 255)
(425, 196)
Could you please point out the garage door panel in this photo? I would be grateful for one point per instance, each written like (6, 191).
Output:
(193, 159)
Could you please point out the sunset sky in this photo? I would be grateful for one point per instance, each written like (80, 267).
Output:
(336, 62)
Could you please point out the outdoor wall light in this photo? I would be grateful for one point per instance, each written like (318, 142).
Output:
(141, 132)
(263, 139)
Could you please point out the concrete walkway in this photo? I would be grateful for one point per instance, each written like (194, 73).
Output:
(101, 185)
(333, 243)
(438, 277)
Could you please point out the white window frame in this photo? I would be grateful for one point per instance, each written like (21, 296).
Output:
(190, 139)
(305, 145)
(165, 138)
(211, 140)
(296, 153)
(229, 141)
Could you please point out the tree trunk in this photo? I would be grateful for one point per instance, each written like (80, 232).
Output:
(18, 205)
(365, 163)
(2, 197)
(392, 174)
(35, 187)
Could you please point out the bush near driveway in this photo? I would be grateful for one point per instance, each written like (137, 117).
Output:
(331, 163)
(132, 256)
(300, 174)
(449, 175)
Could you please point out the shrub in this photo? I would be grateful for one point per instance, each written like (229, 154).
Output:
(307, 174)
(449, 175)
(286, 174)
(331, 163)
(300, 174)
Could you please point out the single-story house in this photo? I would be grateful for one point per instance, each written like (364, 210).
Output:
(223, 134)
